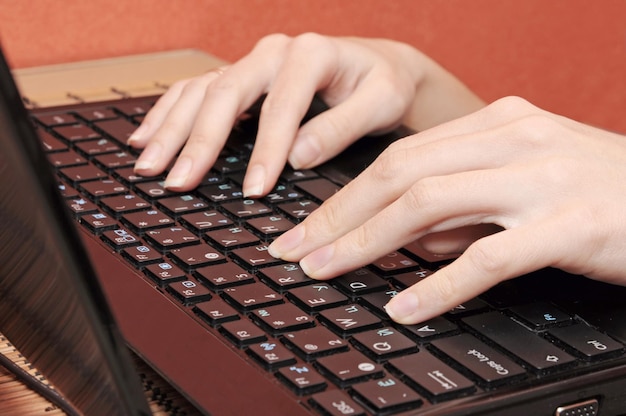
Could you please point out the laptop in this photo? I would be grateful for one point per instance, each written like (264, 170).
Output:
(98, 264)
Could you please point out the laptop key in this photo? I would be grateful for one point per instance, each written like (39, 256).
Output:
(586, 341)
(438, 380)
(271, 355)
(246, 208)
(116, 160)
(349, 319)
(302, 379)
(315, 342)
(252, 296)
(120, 238)
(119, 205)
(387, 395)
(243, 332)
(319, 188)
(98, 222)
(281, 318)
(195, 256)
(189, 292)
(539, 353)
(269, 227)
(541, 315)
(221, 192)
(384, 343)
(359, 282)
(394, 262)
(231, 237)
(216, 311)
(165, 273)
(298, 210)
(255, 256)
(205, 221)
(98, 146)
(182, 204)
(80, 206)
(171, 237)
(350, 367)
(76, 132)
(220, 276)
(317, 296)
(432, 328)
(103, 188)
(66, 159)
(336, 403)
(284, 276)
(146, 220)
(141, 256)
(489, 365)
(84, 173)
(153, 189)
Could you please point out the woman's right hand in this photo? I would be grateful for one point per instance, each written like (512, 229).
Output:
(371, 85)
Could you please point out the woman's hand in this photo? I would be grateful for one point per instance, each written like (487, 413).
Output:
(511, 187)
(372, 85)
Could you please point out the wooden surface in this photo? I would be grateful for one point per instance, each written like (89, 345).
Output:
(568, 56)
(18, 399)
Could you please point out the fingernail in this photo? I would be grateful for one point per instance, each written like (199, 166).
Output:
(305, 151)
(402, 306)
(254, 182)
(287, 242)
(317, 260)
(148, 157)
(179, 173)
(137, 134)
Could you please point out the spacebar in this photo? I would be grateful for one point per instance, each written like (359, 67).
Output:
(540, 354)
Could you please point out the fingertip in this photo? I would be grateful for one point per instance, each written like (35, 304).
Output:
(306, 150)
(179, 175)
(254, 182)
(137, 138)
(149, 158)
(404, 308)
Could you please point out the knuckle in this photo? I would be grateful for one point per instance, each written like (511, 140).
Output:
(361, 238)
(273, 40)
(389, 164)
(424, 193)
(443, 286)
(486, 259)
(513, 105)
(277, 105)
(328, 218)
(309, 41)
(198, 141)
(171, 127)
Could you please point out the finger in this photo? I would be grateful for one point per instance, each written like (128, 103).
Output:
(402, 164)
(432, 205)
(225, 99)
(326, 135)
(308, 65)
(174, 121)
(487, 262)
(154, 118)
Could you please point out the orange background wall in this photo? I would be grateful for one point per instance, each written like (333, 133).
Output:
(568, 56)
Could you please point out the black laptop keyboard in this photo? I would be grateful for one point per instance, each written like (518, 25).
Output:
(329, 342)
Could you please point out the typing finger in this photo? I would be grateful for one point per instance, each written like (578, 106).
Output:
(434, 204)
(487, 262)
(172, 121)
(391, 175)
(308, 64)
